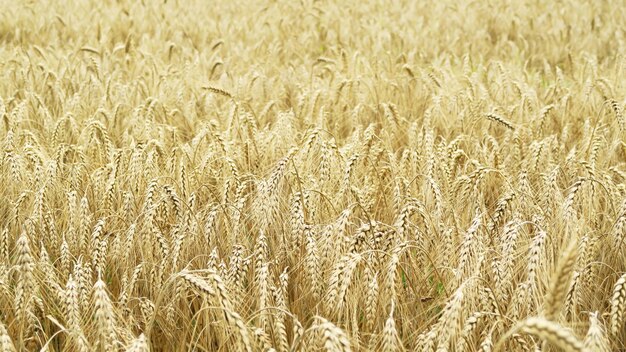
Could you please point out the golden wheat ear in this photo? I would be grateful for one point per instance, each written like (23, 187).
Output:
(546, 330)
(218, 91)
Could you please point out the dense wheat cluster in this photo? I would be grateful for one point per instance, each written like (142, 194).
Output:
(312, 175)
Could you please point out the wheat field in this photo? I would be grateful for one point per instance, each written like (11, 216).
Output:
(312, 175)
